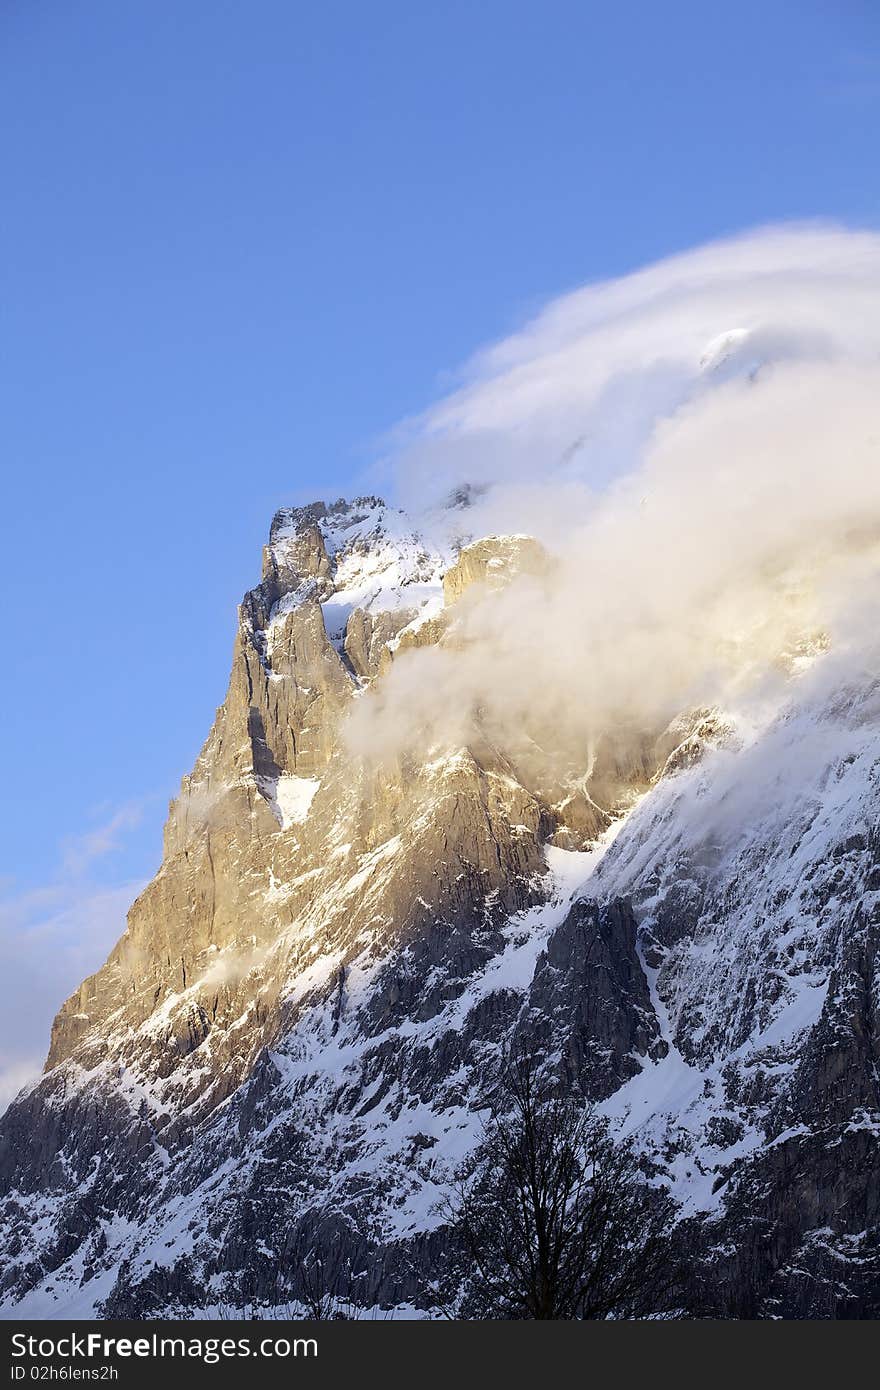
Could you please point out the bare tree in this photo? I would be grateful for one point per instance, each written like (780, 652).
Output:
(556, 1219)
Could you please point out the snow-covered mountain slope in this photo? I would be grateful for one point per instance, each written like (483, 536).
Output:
(745, 871)
(294, 1037)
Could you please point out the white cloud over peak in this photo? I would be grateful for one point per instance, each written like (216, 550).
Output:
(576, 395)
(699, 446)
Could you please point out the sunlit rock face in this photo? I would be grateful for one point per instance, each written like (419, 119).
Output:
(493, 562)
(297, 1030)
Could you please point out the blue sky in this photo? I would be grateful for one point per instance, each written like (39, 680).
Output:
(239, 241)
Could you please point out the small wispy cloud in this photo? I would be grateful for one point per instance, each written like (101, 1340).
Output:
(80, 852)
(15, 1073)
(53, 935)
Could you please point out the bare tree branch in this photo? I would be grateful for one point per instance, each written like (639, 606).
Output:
(556, 1219)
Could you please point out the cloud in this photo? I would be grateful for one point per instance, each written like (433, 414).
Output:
(698, 445)
(79, 852)
(15, 1073)
(577, 393)
(51, 937)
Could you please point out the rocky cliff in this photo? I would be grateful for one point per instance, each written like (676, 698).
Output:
(293, 1035)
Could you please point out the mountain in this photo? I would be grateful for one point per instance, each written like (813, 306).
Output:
(293, 1038)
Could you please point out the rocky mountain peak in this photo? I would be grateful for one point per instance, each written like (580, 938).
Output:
(294, 1032)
